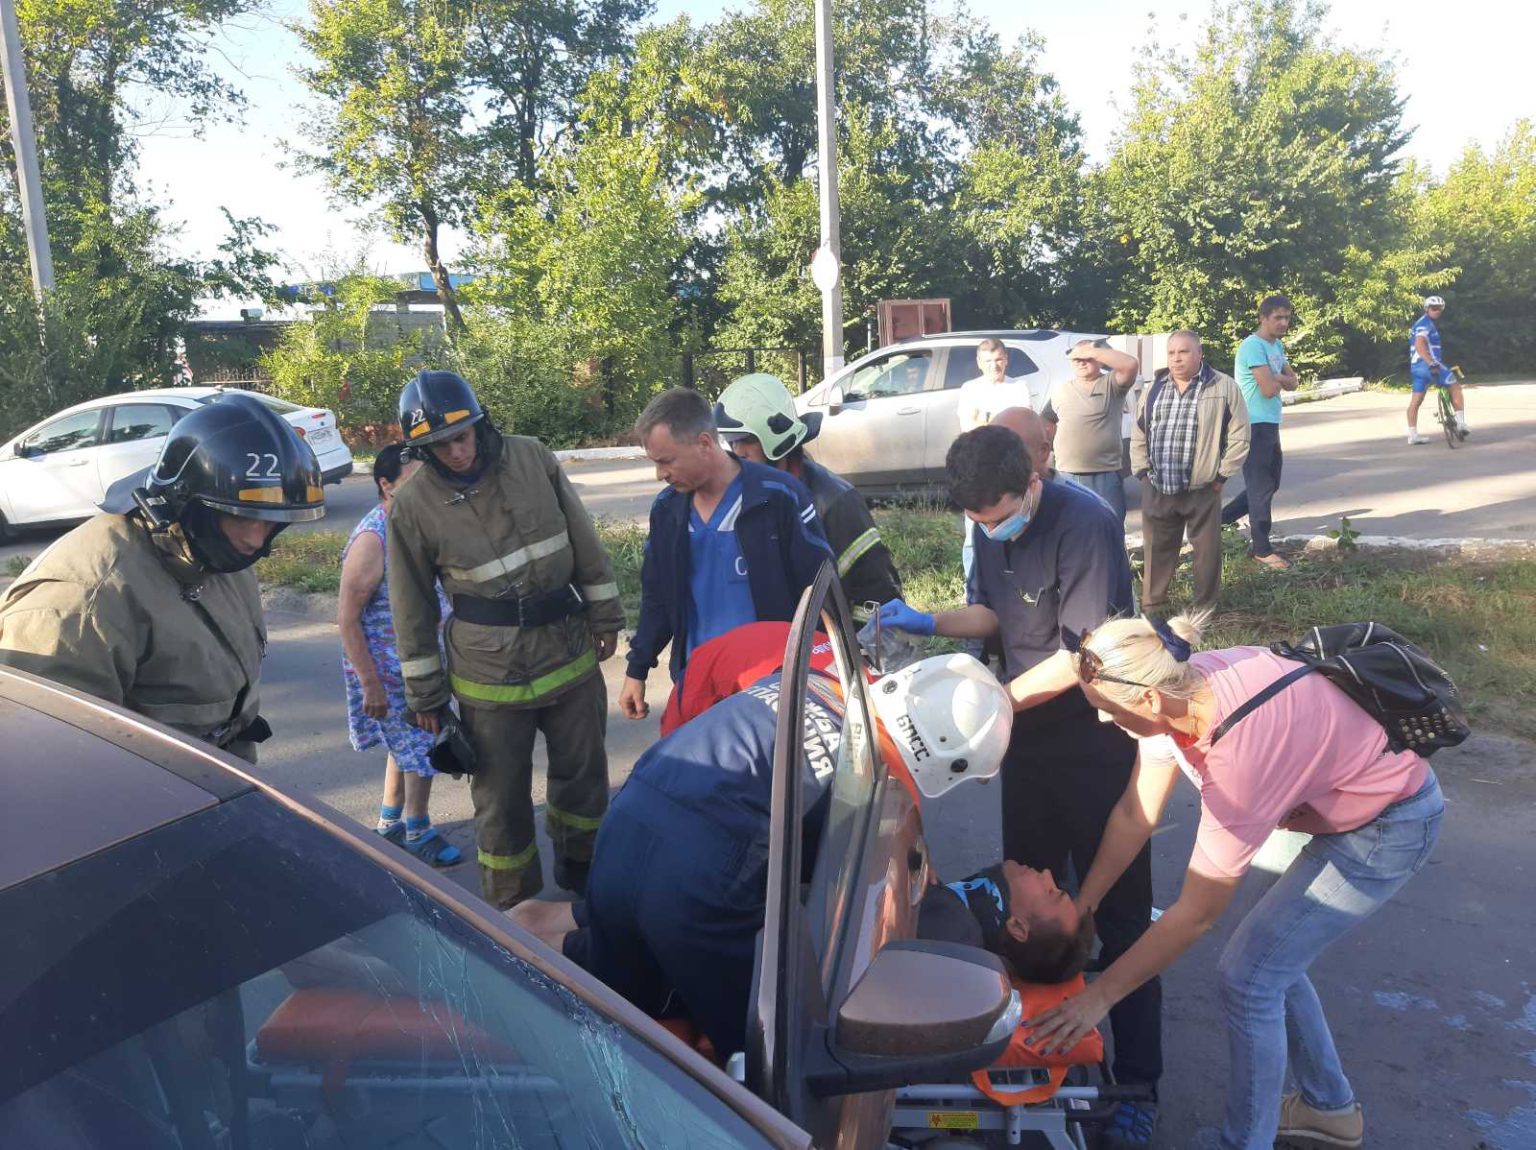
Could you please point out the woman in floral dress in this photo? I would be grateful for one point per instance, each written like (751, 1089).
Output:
(370, 665)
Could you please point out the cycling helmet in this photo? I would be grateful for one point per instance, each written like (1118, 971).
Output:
(437, 405)
(760, 406)
(1434, 301)
(949, 717)
(231, 456)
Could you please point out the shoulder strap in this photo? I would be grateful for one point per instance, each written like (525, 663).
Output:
(1255, 702)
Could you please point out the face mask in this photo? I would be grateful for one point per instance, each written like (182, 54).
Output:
(1009, 529)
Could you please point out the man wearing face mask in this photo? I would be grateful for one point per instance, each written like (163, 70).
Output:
(153, 605)
(1050, 558)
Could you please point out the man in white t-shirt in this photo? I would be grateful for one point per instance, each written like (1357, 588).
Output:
(992, 391)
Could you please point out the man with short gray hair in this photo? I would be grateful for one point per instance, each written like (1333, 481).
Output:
(731, 542)
(1190, 437)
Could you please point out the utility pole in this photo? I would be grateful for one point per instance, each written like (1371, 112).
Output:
(826, 268)
(33, 219)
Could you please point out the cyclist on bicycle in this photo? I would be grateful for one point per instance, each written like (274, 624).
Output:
(1426, 367)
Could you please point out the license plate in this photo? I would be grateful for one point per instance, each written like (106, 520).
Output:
(954, 1120)
(323, 436)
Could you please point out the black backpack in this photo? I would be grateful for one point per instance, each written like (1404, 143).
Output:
(1395, 682)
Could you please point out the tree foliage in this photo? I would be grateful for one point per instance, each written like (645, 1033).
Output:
(115, 316)
(1266, 159)
(1482, 217)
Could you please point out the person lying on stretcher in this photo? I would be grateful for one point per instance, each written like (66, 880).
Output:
(677, 892)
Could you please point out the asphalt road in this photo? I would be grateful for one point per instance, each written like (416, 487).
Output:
(1433, 1001)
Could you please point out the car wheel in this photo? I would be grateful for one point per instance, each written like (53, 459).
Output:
(7, 532)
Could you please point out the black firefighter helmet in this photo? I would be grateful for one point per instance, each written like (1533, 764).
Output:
(437, 405)
(234, 456)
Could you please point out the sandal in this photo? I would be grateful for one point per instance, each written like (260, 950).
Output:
(433, 849)
(394, 833)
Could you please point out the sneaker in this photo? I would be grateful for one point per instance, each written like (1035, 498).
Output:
(1303, 1128)
(1414, 438)
(1131, 1127)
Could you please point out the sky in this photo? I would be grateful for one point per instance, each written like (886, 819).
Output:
(1464, 72)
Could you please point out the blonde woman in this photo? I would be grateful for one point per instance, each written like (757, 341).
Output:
(1308, 759)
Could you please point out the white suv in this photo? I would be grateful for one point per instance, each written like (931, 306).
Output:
(59, 470)
(888, 418)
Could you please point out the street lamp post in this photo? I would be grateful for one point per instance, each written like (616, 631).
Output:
(33, 219)
(825, 269)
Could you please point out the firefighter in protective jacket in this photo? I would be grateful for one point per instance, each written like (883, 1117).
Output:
(153, 604)
(535, 609)
(757, 420)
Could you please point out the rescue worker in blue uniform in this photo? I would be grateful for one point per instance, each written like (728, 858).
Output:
(677, 891)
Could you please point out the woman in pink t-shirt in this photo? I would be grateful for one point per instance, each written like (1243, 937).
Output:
(1308, 759)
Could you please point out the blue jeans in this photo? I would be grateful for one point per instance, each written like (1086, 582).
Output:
(1272, 1010)
(1107, 485)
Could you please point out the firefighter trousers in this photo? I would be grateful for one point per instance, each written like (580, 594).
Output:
(574, 727)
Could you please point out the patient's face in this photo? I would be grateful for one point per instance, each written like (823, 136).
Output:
(1034, 897)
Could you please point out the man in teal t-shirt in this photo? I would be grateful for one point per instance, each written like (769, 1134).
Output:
(1262, 374)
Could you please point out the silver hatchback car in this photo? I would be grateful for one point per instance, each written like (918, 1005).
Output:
(888, 418)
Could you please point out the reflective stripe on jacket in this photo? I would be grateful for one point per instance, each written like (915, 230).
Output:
(102, 611)
(520, 529)
(864, 563)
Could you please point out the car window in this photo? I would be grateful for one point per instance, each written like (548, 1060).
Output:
(1020, 364)
(961, 368)
(67, 434)
(281, 406)
(900, 373)
(238, 979)
(135, 421)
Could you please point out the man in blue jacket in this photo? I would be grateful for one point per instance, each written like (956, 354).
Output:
(730, 542)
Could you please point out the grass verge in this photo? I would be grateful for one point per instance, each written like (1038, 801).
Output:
(1476, 617)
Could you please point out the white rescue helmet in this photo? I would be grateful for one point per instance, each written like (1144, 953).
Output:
(948, 716)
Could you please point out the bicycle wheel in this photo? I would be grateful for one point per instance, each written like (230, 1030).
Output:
(1447, 416)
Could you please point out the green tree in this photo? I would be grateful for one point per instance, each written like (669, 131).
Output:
(532, 59)
(1266, 158)
(1483, 217)
(576, 279)
(114, 318)
(351, 356)
(393, 127)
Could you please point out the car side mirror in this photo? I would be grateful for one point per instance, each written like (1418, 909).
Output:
(835, 400)
(31, 451)
(922, 1012)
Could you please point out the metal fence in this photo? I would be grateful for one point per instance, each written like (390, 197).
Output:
(710, 371)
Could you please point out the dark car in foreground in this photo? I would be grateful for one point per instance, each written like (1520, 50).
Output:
(197, 961)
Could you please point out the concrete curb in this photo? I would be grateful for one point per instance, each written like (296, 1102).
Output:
(1471, 548)
(1325, 390)
(584, 453)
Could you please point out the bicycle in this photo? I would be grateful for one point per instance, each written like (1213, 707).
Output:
(1445, 413)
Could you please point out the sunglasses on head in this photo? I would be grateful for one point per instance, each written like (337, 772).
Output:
(1089, 665)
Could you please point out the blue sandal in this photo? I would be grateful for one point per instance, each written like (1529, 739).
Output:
(433, 849)
(394, 833)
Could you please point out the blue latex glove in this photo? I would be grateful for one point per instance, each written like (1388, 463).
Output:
(898, 616)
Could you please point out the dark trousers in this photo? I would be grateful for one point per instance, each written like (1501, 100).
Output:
(674, 907)
(1063, 774)
(575, 726)
(1261, 479)
(1164, 521)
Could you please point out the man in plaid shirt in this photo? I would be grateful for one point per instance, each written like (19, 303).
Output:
(1190, 437)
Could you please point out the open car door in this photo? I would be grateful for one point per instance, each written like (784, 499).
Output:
(833, 1031)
